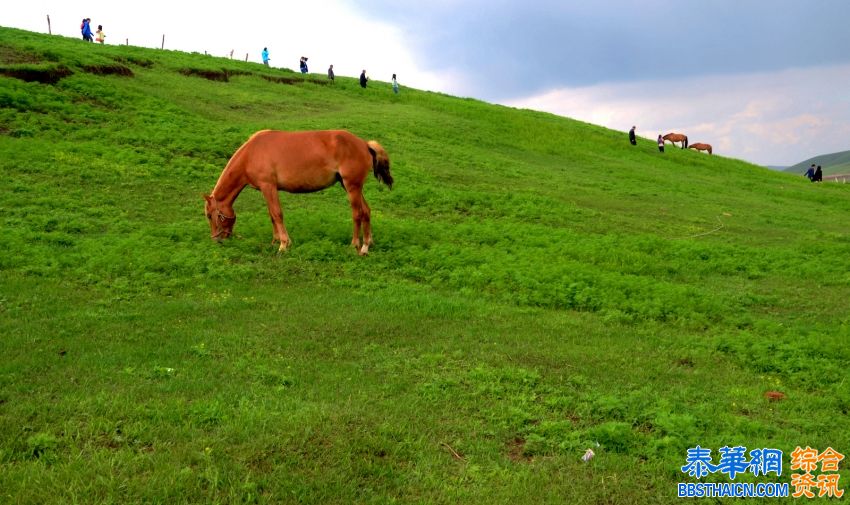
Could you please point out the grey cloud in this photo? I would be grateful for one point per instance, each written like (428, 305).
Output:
(507, 49)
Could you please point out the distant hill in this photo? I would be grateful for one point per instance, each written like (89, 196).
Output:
(835, 163)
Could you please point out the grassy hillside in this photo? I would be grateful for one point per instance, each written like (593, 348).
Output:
(835, 163)
(537, 287)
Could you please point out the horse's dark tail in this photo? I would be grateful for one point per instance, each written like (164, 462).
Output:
(380, 163)
(686, 141)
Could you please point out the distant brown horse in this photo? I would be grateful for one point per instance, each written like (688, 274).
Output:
(298, 162)
(677, 137)
(701, 147)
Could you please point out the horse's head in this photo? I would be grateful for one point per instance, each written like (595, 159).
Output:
(221, 224)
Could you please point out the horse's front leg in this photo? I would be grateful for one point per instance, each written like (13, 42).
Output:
(276, 214)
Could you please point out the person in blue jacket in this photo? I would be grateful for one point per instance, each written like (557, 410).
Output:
(266, 56)
(810, 173)
(86, 29)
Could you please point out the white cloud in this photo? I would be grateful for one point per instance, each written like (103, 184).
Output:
(771, 118)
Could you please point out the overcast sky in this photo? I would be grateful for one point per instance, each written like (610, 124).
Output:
(765, 81)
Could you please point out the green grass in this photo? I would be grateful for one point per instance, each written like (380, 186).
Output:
(537, 287)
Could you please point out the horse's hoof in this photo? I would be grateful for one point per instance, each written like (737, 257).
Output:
(363, 250)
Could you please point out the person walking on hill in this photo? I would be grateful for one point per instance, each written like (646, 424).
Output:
(395, 85)
(85, 28)
(363, 79)
(818, 175)
(265, 55)
(632, 138)
(661, 143)
(331, 74)
(303, 64)
(101, 37)
(810, 173)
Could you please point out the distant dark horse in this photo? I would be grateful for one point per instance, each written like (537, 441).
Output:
(298, 162)
(701, 147)
(677, 137)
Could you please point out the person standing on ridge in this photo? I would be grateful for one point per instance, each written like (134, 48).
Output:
(86, 30)
(818, 175)
(395, 85)
(661, 143)
(363, 79)
(303, 64)
(331, 74)
(101, 37)
(632, 137)
(265, 55)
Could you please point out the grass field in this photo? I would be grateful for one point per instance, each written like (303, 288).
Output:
(537, 287)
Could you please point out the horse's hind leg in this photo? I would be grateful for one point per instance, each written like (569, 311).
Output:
(366, 221)
(355, 198)
(273, 201)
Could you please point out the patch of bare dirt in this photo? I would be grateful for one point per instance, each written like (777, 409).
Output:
(42, 75)
(516, 451)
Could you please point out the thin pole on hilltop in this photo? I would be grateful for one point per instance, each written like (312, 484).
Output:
(49, 31)
(246, 56)
(163, 41)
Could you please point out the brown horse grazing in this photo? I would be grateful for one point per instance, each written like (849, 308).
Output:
(677, 137)
(701, 147)
(298, 162)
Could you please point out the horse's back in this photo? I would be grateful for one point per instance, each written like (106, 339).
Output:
(303, 161)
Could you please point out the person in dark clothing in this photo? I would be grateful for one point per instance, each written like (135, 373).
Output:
(303, 65)
(818, 175)
(363, 79)
(810, 173)
(632, 138)
(660, 143)
(331, 74)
